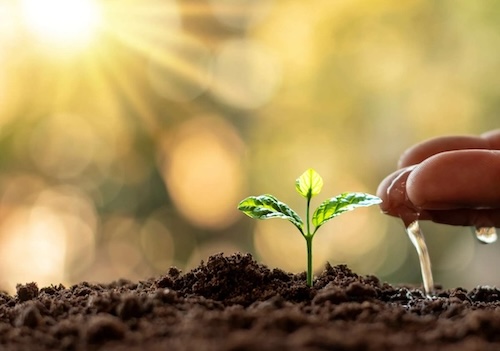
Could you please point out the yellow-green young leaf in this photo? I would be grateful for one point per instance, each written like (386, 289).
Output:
(341, 203)
(309, 183)
(267, 206)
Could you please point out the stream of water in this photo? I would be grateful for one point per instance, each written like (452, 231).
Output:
(417, 239)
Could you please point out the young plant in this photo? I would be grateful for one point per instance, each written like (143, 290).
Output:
(308, 185)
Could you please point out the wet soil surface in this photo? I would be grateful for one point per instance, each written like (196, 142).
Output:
(234, 303)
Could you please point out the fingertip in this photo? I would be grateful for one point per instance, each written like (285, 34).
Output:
(392, 191)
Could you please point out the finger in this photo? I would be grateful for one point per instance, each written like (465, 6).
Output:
(456, 179)
(392, 191)
(465, 217)
(419, 152)
(426, 149)
(382, 189)
(395, 202)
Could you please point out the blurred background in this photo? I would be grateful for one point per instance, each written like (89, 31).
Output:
(130, 130)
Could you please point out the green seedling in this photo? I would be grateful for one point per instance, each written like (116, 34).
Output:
(308, 185)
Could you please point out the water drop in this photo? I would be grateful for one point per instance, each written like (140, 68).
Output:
(417, 238)
(485, 235)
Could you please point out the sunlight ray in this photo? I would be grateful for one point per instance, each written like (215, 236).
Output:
(135, 98)
(182, 71)
(97, 78)
(142, 28)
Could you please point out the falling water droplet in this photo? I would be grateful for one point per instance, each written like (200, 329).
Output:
(417, 238)
(485, 235)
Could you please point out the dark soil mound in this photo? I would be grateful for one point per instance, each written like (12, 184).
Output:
(234, 303)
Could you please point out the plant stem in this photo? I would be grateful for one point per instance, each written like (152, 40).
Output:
(309, 259)
(309, 238)
(308, 226)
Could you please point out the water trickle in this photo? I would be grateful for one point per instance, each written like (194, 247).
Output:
(417, 239)
(409, 214)
(485, 235)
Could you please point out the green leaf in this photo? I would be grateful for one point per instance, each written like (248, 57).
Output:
(267, 206)
(341, 203)
(309, 183)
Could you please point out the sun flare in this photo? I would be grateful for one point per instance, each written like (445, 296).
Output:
(62, 22)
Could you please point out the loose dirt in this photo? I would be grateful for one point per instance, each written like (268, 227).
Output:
(234, 303)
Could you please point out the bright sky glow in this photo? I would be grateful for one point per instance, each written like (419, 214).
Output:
(62, 22)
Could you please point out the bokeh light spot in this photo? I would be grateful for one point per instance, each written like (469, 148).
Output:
(63, 145)
(77, 213)
(32, 247)
(47, 234)
(202, 171)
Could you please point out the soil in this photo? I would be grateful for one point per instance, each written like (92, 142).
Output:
(234, 303)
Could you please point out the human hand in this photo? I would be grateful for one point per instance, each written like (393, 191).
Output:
(453, 180)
